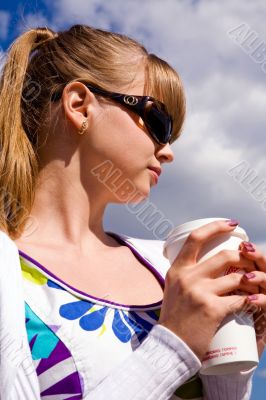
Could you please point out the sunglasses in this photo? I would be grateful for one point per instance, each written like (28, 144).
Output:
(153, 112)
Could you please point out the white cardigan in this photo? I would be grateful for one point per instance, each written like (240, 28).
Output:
(18, 379)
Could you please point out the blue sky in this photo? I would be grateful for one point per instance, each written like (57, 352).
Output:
(16, 13)
(224, 79)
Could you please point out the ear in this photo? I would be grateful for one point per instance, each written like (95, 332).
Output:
(78, 102)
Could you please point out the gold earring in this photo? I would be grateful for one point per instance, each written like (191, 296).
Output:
(83, 127)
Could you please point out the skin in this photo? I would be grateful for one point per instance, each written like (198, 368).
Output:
(257, 279)
(70, 203)
(197, 293)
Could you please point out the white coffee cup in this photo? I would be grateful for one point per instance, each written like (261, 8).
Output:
(233, 347)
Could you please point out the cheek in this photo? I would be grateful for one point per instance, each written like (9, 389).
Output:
(129, 130)
(122, 135)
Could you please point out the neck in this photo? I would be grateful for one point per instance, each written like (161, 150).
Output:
(65, 214)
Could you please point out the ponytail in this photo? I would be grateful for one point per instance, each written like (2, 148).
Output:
(40, 63)
(18, 160)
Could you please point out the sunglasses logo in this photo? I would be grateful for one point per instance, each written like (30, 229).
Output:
(131, 100)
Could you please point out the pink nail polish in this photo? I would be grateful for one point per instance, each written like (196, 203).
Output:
(249, 248)
(248, 244)
(253, 297)
(232, 222)
(250, 275)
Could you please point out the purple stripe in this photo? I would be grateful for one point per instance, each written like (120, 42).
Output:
(120, 240)
(59, 354)
(70, 384)
(33, 340)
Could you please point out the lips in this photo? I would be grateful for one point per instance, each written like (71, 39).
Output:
(157, 170)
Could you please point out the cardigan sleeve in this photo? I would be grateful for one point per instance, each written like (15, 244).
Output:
(18, 379)
(160, 365)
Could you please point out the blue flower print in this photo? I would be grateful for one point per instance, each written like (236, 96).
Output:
(54, 285)
(91, 319)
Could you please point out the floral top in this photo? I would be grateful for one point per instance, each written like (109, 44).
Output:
(77, 339)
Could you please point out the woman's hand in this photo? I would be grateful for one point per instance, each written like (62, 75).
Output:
(196, 296)
(257, 303)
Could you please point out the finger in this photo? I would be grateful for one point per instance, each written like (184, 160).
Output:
(199, 237)
(257, 299)
(260, 323)
(250, 251)
(232, 282)
(234, 303)
(256, 278)
(225, 262)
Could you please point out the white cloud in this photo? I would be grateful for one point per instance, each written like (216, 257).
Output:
(2, 59)
(4, 22)
(225, 93)
(261, 373)
(32, 20)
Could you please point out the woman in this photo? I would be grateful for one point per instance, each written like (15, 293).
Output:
(78, 133)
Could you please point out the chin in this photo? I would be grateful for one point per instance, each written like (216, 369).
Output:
(139, 194)
(132, 191)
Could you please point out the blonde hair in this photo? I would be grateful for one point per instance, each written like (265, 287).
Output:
(38, 64)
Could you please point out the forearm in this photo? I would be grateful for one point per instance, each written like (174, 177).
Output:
(160, 365)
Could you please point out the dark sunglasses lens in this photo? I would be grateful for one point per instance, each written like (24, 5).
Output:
(159, 122)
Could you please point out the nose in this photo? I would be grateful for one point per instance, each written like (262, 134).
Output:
(164, 153)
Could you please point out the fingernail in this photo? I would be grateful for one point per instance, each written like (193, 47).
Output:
(250, 275)
(232, 222)
(248, 246)
(253, 297)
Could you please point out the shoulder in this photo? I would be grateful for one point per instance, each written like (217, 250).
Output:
(7, 245)
(9, 259)
(151, 250)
